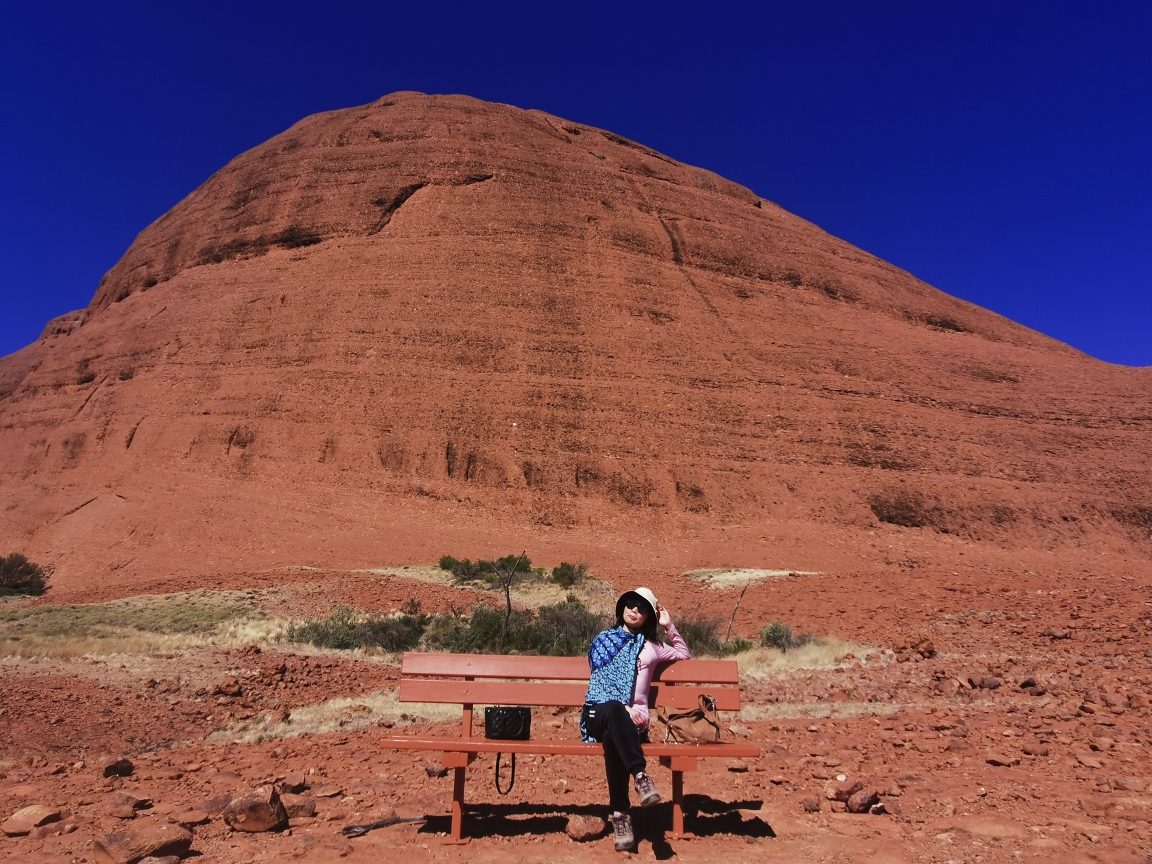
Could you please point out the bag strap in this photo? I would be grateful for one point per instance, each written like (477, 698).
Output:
(511, 780)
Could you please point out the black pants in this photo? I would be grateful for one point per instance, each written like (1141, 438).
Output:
(611, 724)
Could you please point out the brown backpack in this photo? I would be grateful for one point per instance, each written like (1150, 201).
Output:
(694, 726)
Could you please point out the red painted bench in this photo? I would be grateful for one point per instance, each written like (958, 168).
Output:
(485, 679)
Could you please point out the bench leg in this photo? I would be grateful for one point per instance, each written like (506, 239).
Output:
(454, 838)
(678, 807)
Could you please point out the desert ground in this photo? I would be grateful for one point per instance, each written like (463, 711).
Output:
(916, 692)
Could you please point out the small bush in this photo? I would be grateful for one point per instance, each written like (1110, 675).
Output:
(344, 628)
(566, 575)
(701, 635)
(18, 575)
(126, 374)
(793, 278)
(472, 571)
(905, 509)
(779, 635)
(776, 635)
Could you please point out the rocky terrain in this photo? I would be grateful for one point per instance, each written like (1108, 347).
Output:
(432, 325)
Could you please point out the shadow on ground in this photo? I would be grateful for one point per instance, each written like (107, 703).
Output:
(703, 816)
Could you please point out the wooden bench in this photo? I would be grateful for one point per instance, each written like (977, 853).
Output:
(484, 679)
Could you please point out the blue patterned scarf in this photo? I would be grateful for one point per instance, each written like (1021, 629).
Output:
(612, 667)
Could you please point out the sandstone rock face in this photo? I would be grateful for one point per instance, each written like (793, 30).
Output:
(259, 810)
(25, 819)
(434, 317)
(128, 847)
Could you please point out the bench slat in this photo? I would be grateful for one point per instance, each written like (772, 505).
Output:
(698, 672)
(551, 693)
(561, 747)
(431, 664)
(434, 664)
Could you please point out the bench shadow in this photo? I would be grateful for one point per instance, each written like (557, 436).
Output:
(703, 816)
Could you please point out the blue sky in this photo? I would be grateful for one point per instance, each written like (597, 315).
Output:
(1000, 151)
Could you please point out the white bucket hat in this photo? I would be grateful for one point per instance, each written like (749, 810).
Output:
(644, 594)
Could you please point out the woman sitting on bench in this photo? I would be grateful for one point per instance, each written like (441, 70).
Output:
(621, 661)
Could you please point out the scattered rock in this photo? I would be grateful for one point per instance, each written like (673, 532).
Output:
(842, 790)
(24, 820)
(863, 800)
(156, 839)
(435, 769)
(584, 828)
(298, 805)
(163, 859)
(259, 810)
(877, 809)
(119, 767)
(1002, 760)
(230, 686)
(1055, 634)
(327, 792)
(294, 783)
(1088, 760)
(122, 811)
(1027, 682)
(811, 805)
(1128, 784)
(737, 767)
(561, 787)
(957, 744)
(838, 807)
(1035, 748)
(127, 799)
(189, 818)
(893, 807)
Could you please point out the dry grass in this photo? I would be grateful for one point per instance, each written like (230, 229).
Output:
(345, 713)
(823, 652)
(137, 625)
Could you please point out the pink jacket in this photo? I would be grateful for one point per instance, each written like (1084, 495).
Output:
(650, 655)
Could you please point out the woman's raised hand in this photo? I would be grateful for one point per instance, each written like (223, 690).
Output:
(662, 616)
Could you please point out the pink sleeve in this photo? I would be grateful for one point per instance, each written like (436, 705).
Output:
(652, 654)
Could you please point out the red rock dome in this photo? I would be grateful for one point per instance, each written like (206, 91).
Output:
(434, 324)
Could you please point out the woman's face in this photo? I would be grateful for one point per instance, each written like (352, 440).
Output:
(635, 615)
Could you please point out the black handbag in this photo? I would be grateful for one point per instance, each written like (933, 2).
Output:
(508, 722)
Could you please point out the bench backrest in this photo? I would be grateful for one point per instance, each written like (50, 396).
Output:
(488, 679)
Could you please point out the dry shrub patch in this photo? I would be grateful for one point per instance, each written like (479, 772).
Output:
(560, 629)
(18, 575)
(136, 624)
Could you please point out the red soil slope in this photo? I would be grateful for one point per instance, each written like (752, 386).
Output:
(433, 324)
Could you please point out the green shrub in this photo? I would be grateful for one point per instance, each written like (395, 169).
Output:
(779, 635)
(473, 571)
(345, 628)
(776, 635)
(18, 575)
(338, 630)
(566, 575)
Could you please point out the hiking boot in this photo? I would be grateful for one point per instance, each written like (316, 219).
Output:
(646, 790)
(622, 828)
